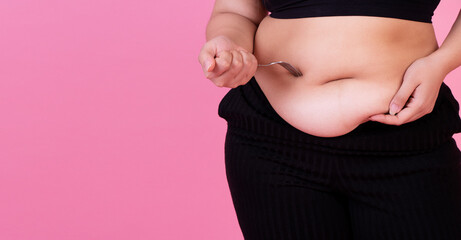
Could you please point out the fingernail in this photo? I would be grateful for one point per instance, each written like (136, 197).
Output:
(393, 109)
(207, 66)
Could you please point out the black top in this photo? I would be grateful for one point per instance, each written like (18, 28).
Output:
(416, 10)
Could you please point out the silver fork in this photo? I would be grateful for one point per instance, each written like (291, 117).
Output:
(286, 65)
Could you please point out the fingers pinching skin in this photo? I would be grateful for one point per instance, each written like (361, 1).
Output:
(402, 96)
(398, 119)
(410, 112)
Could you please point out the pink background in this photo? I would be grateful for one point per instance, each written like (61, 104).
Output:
(108, 128)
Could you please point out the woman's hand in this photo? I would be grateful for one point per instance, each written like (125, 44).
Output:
(225, 63)
(417, 94)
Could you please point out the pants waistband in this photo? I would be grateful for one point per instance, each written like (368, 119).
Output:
(248, 112)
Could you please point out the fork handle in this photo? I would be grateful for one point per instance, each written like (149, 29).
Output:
(269, 64)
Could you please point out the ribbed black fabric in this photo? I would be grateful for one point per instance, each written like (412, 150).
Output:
(416, 10)
(248, 111)
(377, 182)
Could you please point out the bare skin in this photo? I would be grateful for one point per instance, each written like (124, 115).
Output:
(356, 68)
(352, 66)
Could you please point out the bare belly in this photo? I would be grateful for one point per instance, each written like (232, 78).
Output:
(352, 66)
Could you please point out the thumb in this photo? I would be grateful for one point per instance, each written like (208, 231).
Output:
(401, 97)
(210, 64)
(207, 57)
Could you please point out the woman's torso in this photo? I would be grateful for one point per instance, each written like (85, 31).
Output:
(352, 66)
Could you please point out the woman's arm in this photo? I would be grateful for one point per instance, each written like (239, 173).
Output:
(448, 56)
(226, 57)
(236, 20)
(422, 80)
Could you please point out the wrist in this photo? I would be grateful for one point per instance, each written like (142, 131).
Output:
(443, 60)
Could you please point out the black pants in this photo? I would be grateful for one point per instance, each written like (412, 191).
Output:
(377, 182)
